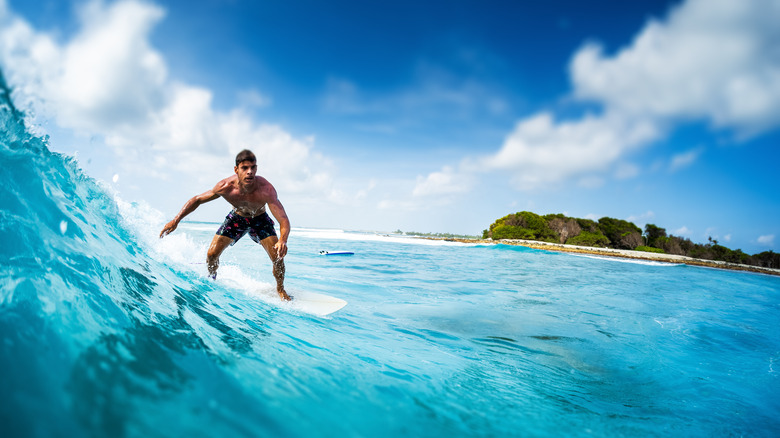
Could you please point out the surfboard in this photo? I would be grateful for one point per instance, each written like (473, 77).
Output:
(314, 303)
(303, 301)
(329, 253)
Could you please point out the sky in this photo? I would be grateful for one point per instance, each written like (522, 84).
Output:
(433, 116)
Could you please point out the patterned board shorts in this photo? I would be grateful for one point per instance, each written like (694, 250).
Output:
(235, 226)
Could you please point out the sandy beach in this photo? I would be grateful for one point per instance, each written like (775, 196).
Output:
(640, 255)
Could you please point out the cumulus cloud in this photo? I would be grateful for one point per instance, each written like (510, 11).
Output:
(542, 150)
(110, 76)
(711, 60)
(714, 60)
(105, 78)
(109, 81)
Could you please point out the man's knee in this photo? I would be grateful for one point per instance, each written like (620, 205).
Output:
(217, 246)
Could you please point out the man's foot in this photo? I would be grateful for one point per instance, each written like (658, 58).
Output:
(283, 295)
(213, 276)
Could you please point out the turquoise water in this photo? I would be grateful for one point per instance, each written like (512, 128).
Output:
(108, 331)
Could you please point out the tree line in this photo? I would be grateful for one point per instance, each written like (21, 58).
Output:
(608, 232)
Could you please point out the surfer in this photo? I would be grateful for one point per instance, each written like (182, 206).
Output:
(249, 194)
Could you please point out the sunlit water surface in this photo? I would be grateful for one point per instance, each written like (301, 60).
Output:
(109, 331)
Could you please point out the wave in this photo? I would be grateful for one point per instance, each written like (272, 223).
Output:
(97, 313)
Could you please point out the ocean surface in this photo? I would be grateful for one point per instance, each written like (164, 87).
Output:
(109, 331)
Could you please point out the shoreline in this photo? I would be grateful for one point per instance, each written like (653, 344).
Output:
(619, 253)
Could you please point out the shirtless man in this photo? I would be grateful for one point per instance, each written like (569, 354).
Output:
(249, 194)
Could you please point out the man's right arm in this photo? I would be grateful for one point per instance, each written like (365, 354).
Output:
(188, 208)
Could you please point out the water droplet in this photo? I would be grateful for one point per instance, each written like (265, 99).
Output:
(63, 227)
(116, 177)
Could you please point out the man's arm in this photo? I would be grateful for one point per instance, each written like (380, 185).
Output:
(188, 208)
(277, 209)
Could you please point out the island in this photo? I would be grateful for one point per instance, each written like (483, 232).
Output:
(615, 238)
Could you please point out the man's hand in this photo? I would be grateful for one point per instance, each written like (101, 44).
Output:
(168, 228)
(281, 249)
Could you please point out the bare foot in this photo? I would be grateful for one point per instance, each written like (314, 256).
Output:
(283, 295)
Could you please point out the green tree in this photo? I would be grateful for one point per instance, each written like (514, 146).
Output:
(503, 231)
(653, 233)
(609, 232)
(619, 232)
(766, 259)
(522, 225)
(588, 225)
(589, 238)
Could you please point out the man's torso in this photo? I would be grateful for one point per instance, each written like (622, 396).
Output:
(248, 203)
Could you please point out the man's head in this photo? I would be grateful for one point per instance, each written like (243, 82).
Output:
(245, 155)
(246, 166)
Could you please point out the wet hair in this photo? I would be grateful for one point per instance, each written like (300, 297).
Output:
(245, 155)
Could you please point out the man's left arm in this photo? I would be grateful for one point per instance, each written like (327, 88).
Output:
(277, 209)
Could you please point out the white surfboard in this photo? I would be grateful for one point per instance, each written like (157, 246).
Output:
(314, 303)
(303, 301)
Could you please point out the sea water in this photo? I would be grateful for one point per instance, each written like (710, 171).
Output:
(109, 331)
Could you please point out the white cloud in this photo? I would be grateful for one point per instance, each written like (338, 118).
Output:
(445, 182)
(542, 150)
(110, 76)
(710, 59)
(768, 240)
(682, 231)
(685, 159)
(109, 81)
(642, 218)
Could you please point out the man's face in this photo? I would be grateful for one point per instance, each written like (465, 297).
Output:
(246, 171)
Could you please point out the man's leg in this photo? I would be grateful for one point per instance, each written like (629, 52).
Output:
(278, 265)
(218, 244)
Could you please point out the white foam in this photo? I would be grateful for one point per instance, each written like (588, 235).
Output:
(145, 222)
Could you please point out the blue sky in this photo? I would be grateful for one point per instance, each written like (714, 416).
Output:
(425, 116)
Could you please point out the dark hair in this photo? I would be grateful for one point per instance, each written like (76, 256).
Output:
(245, 155)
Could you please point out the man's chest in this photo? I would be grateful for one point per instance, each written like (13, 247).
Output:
(245, 199)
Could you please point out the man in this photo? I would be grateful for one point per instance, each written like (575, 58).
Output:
(249, 194)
